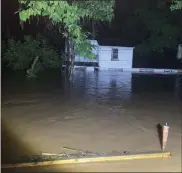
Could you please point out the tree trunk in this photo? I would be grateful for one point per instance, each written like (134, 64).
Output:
(93, 30)
(30, 72)
(67, 53)
(72, 56)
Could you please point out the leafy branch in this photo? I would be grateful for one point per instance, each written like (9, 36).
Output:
(176, 5)
(70, 14)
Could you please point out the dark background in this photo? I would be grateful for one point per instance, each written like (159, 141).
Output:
(126, 29)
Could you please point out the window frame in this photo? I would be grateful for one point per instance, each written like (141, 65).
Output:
(114, 54)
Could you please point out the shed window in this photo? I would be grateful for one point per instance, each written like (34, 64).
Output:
(114, 55)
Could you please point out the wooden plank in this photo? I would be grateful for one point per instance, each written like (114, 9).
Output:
(91, 159)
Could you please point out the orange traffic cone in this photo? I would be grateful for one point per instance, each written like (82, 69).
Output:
(165, 136)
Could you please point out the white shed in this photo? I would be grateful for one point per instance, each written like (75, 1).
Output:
(115, 57)
(109, 57)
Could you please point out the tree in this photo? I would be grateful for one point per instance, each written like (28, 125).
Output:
(69, 15)
(176, 5)
(162, 33)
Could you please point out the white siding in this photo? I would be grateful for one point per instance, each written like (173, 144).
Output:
(125, 56)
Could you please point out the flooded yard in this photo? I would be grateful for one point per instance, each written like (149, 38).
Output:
(99, 112)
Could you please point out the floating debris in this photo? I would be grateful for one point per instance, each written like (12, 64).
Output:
(63, 156)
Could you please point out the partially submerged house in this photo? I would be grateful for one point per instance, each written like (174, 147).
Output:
(108, 57)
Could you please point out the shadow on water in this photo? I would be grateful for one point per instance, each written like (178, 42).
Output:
(11, 145)
(13, 150)
(160, 132)
(153, 83)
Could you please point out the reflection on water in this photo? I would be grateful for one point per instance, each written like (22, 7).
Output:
(100, 86)
(103, 85)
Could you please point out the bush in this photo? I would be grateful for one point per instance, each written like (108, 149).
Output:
(21, 55)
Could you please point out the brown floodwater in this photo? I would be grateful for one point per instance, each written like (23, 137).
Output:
(97, 111)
